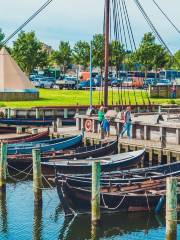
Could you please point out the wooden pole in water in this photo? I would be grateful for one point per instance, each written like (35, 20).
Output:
(37, 177)
(37, 223)
(37, 113)
(171, 208)
(3, 166)
(8, 113)
(95, 198)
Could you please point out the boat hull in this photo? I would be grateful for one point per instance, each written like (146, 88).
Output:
(78, 200)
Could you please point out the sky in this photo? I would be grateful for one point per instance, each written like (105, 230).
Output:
(73, 20)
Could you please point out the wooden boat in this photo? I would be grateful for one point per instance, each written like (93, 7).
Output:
(29, 138)
(125, 177)
(97, 150)
(7, 129)
(108, 163)
(45, 147)
(37, 143)
(131, 198)
(34, 122)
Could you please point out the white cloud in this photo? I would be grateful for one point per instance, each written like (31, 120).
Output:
(80, 19)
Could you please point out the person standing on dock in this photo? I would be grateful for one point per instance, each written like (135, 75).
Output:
(106, 126)
(101, 115)
(173, 92)
(127, 123)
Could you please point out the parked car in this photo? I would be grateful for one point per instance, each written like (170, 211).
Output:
(117, 82)
(164, 82)
(85, 85)
(32, 77)
(46, 82)
(67, 82)
(128, 82)
(150, 81)
(97, 80)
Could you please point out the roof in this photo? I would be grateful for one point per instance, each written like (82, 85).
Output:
(12, 78)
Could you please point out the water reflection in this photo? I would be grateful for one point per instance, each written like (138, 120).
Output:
(37, 223)
(111, 225)
(3, 212)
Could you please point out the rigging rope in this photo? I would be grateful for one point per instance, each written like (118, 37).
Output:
(27, 21)
(153, 28)
(169, 20)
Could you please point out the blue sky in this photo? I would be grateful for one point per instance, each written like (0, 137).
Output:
(73, 20)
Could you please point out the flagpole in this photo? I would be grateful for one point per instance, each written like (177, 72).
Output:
(91, 75)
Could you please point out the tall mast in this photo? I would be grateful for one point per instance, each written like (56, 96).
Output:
(107, 14)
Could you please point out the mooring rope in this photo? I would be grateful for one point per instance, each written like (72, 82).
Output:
(22, 179)
(51, 187)
(106, 206)
(19, 171)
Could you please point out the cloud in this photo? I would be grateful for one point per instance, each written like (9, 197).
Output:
(79, 19)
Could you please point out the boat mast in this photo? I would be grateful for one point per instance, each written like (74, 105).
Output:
(107, 14)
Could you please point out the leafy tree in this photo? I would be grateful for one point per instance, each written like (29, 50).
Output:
(81, 53)
(145, 53)
(130, 61)
(98, 51)
(63, 57)
(150, 54)
(176, 63)
(28, 52)
(2, 36)
(161, 57)
(117, 54)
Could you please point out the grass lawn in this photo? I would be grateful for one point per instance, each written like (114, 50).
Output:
(53, 97)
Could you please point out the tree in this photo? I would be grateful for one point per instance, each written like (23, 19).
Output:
(63, 55)
(98, 51)
(176, 63)
(28, 52)
(145, 53)
(81, 53)
(2, 36)
(150, 54)
(117, 54)
(161, 57)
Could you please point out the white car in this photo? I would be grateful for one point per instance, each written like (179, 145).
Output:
(46, 82)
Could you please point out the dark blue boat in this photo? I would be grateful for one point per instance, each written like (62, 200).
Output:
(34, 122)
(35, 143)
(45, 147)
(108, 163)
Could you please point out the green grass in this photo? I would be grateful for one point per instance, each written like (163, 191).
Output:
(53, 97)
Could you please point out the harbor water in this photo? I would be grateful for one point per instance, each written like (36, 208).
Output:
(20, 220)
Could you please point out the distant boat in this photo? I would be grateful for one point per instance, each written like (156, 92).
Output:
(45, 147)
(28, 138)
(34, 122)
(98, 150)
(108, 163)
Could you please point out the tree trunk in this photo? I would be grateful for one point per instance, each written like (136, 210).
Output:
(156, 73)
(146, 71)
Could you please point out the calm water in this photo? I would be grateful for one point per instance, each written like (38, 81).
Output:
(19, 220)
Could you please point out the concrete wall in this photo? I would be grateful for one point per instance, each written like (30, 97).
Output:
(18, 96)
(163, 91)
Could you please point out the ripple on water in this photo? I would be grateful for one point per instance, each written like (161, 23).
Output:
(20, 221)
